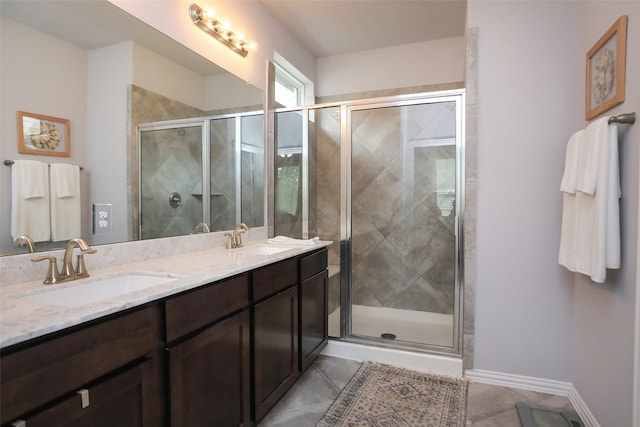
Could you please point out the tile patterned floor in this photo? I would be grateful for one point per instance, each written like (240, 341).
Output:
(311, 396)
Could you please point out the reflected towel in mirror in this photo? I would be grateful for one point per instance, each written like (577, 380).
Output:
(30, 200)
(65, 201)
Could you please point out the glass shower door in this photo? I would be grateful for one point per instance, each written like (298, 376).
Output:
(170, 180)
(404, 251)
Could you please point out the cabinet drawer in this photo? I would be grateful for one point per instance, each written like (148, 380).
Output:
(190, 311)
(38, 374)
(116, 401)
(311, 265)
(274, 278)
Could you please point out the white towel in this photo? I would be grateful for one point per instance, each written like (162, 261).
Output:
(283, 240)
(65, 202)
(30, 200)
(596, 134)
(590, 236)
(569, 178)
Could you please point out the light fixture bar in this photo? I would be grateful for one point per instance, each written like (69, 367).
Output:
(216, 28)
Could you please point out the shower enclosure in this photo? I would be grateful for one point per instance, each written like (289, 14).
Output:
(381, 178)
(200, 174)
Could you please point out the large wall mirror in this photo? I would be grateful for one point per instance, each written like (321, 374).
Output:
(154, 125)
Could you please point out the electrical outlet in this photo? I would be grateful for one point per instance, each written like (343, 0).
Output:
(102, 218)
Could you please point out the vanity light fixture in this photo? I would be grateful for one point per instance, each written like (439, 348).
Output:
(219, 29)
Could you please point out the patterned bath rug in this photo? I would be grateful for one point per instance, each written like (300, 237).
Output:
(380, 395)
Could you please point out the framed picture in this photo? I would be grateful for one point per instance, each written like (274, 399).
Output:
(44, 135)
(606, 65)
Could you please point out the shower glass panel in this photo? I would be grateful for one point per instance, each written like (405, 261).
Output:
(403, 222)
(325, 197)
(252, 170)
(289, 175)
(222, 154)
(169, 177)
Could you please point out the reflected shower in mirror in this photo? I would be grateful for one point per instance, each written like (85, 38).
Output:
(107, 72)
(181, 186)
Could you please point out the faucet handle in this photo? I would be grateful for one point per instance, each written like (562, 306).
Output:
(81, 269)
(239, 237)
(53, 275)
(229, 237)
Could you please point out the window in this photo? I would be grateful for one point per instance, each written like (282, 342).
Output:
(292, 88)
(288, 89)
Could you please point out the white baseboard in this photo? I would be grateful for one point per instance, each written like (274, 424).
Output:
(541, 385)
(582, 409)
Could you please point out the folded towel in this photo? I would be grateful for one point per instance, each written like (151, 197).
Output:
(596, 134)
(65, 202)
(30, 200)
(33, 178)
(65, 180)
(569, 178)
(283, 240)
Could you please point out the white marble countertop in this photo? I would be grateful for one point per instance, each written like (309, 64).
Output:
(21, 320)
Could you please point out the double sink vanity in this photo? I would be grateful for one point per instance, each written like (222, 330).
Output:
(212, 337)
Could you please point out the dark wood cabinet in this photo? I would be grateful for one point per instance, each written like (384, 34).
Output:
(275, 335)
(221, 354)
(209, 359)
(313, 318)
(39, 381)
(209, 376)
(120, 400)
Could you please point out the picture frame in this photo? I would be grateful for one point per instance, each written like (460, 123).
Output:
(606, 70)
(43, 135)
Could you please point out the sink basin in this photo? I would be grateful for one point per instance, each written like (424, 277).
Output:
(263, 250)
(97, 290)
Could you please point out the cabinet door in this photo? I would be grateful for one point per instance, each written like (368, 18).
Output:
(118, 401)
(209, 376)
(313, 318)
(275, 349)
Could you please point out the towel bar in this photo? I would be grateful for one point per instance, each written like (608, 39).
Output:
(10, 162)
(627, 118)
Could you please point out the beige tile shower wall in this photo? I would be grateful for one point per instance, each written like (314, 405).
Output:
(471, 190)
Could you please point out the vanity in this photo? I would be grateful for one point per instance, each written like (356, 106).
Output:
(219, 344)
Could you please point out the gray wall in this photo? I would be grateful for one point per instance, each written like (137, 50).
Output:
(603, 316)
(533, 317)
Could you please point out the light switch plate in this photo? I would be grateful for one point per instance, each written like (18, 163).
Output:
(102, 218)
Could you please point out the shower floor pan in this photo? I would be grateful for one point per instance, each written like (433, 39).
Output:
(407, 325)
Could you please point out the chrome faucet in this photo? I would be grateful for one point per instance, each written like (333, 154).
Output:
(235, 240)
(25, 240)
(68, 272)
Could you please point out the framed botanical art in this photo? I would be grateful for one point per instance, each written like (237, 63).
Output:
(606, 64)
(44, 135)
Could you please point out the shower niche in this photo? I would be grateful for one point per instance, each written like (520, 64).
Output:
(200, 174)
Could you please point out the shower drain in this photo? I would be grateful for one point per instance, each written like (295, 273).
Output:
(388, 336)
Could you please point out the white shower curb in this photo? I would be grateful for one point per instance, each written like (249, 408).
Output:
(411, 360)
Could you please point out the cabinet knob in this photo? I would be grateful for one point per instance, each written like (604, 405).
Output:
(84, 396)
